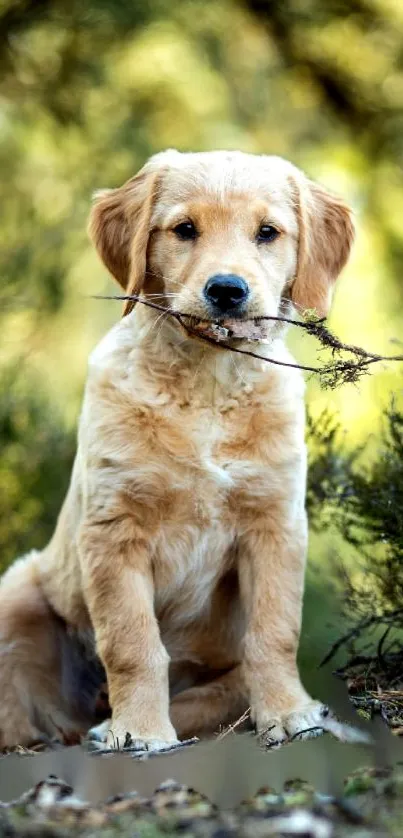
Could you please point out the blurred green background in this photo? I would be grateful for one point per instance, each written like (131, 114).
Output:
(88, 91)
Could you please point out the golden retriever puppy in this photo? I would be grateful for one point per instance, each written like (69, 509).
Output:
(177, 565)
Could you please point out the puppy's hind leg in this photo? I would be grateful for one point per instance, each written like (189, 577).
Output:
(35, 700)
(204, 709)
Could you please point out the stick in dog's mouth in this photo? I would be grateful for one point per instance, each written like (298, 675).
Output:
(225, 333)
(230, 329)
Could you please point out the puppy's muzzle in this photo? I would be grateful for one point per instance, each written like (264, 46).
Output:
(226, 293)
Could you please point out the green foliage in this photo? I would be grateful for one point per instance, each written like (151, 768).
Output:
(363, 498)
(328, 469)
(372, 518)
(34, 470)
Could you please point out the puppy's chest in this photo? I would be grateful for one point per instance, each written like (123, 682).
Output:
(216, 473)
(218, 460)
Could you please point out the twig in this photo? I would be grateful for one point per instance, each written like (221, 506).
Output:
(317, 730)
(180, 316)
(379, 650)
(337, 372)
(367, 622)
(138, 752)
(231, 728)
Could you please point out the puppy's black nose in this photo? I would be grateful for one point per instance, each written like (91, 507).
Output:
(226, 291)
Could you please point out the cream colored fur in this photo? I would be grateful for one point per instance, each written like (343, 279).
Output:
(179, 554)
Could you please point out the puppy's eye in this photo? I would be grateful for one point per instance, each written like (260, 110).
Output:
(267, 233)
(185, 230)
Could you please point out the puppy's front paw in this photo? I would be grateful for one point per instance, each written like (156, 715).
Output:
(118, 740)
(116, 735)
(304, 722)
(99, 733)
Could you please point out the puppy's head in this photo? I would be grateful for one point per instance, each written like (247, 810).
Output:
(221, 234)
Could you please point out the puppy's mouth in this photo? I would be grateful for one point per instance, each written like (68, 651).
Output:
(229, 329)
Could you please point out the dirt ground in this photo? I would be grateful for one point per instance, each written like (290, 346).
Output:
(337, 796)
(371, 805)
(368, 802)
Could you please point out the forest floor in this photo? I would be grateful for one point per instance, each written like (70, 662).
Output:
(370, 803)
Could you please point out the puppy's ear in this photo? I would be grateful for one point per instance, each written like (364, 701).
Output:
(120, 226)
(326, 234)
